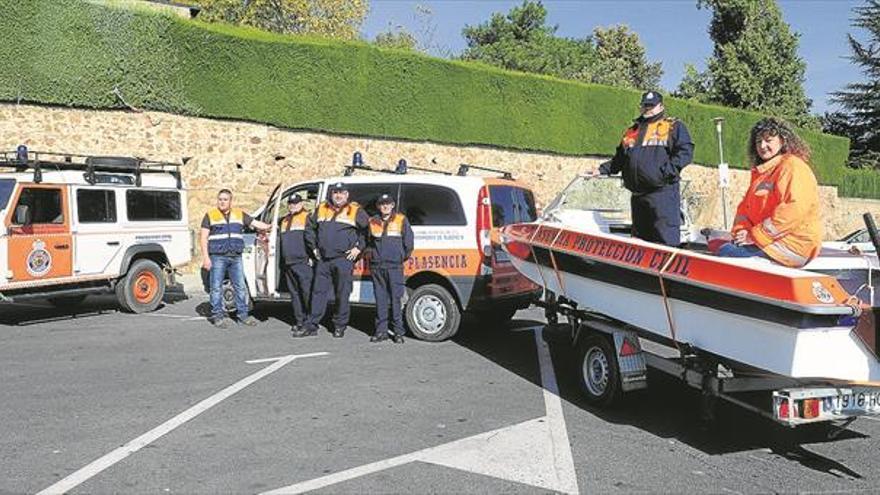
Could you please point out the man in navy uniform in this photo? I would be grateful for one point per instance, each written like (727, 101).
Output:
(222, 243)
(650, 157)
(390, 244)
(335, 234)
(298, 264)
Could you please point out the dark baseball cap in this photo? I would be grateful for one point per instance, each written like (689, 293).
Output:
(651, 98)
(385, 198)
(294, 198)
(339, 186)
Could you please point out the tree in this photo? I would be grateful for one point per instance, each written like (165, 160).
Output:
(860, 118)
(522, 41)
(621, 60)
(755, 64)
(398, 38)
(695, 85)
(340, 19)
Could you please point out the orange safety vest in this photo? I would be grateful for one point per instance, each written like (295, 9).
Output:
(394, 226)
(781, 211)
(329, 213)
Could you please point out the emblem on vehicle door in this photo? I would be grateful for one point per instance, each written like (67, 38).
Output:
(39, 261)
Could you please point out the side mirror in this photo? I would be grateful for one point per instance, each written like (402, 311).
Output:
(23, 215)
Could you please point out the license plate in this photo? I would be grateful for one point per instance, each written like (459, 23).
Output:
(855, 400)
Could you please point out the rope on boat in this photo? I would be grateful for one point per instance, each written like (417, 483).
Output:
(666, 300)
(555, 267)
(535, 256)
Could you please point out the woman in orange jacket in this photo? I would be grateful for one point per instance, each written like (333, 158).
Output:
(779, 216)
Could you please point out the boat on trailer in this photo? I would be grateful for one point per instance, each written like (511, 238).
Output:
(798, 333)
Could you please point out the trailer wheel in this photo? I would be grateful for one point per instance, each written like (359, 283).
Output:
(599, 373)
(142, 288)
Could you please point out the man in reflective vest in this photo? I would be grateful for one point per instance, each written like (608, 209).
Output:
(390, 244)
(221, 244)
(650, 157)
(298, 262)
(335, 233)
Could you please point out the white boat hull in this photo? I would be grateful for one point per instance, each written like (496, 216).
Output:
(833, 353)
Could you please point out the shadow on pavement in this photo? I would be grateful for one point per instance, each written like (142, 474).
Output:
(667, 409)
(42, 311)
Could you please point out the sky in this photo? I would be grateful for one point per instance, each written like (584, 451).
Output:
(674, 32)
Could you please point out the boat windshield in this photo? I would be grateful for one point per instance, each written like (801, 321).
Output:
(596, 193)
(602, 203)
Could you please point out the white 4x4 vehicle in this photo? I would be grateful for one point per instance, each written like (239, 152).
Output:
(457, 265)
(76, 225)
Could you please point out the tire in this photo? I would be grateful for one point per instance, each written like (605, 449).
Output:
(142, 288)
(228, 296)
(432, 313)
(67, 302)
(598, 373)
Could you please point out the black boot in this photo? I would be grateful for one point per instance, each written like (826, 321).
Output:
(339, 333)
(398, 339)
(379, 337)
(305, 331)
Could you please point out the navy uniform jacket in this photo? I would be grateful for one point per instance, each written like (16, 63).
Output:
(391, 242)
(333, 231)
(293, 239)
(651, 154)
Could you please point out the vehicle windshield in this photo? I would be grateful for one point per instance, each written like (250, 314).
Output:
(6, 188)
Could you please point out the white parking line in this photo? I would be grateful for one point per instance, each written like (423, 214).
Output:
(563, 462)
(535, 452)
(95, 467)
(174, 316)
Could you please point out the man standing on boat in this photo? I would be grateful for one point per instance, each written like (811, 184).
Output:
(650, 157)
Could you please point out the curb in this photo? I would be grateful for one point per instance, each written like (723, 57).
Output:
(192, 284)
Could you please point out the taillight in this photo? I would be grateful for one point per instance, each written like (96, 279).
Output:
(783, 409)
(811, 408)
(518, 249)
(628, 348)
(484, 224)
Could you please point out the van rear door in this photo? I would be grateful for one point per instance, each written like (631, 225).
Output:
(510, 204)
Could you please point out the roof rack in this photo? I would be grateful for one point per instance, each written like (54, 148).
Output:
(465, 167)
(22, 159)
(357, 163)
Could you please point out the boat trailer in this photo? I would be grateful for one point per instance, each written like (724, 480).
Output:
(613, 359)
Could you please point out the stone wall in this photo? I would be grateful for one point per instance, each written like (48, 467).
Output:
(251, 158)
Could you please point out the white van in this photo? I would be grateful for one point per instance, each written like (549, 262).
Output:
(457, 265)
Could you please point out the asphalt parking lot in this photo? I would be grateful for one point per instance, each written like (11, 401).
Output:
(97, 401)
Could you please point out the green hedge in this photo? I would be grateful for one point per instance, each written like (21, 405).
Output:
(72, 52)
(859, 184)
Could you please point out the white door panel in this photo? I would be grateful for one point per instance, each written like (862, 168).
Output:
(362, 292)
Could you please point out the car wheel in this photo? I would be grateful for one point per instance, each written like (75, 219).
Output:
(599, 374)
(227, 293)
(142, 288)
(432, 313)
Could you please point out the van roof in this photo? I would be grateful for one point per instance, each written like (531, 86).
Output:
(447, 180)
